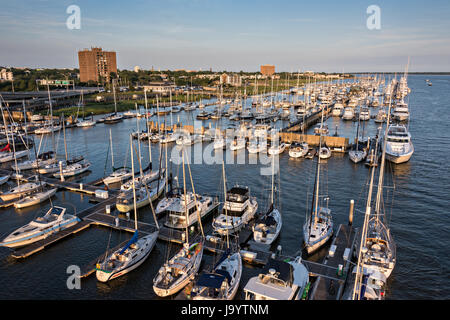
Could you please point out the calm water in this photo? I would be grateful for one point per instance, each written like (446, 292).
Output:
(415, 204)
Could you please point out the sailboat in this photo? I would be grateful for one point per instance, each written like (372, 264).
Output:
(115, 117)
(6, 153)
(53, 221)
(267, 228)
(299, 150)
(134, 253)
(177, 272)
(118, 175)
(222, 282)
(318, 227)
(84, 123)
(377, 252)
(358, 152)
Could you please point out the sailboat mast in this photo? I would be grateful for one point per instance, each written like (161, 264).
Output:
(225, 200)
(383, 158)
(273, 169)
(115, 102)
(318, 173)
(134, 186)
(358, 278)
(64, 132)
(112, 152)
(148, 131)
(185, 203)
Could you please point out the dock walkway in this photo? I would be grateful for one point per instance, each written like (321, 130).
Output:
(330, 283)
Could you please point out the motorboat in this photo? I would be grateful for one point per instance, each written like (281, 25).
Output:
(399, 147)
(349, 113)
(364, 114)
(194, 205)
(279, 280)
(337, 109)
(239, 208)
(401, 112)
(55, 220)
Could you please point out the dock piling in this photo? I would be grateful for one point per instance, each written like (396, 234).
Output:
(350, 214)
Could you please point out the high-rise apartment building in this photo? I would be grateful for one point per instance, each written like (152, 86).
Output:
(267, 70)
(96, 64)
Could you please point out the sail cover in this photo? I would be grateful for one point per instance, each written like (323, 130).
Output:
(132, 240)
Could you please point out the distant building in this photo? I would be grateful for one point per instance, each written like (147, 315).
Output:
(6, 75)
(232, 79)
(137, 69)
(96, 64)
(267, 70)
(160, 87)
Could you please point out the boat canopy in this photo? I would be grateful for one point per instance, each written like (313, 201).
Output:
(210, 280)
(132, 240)
(283, 270)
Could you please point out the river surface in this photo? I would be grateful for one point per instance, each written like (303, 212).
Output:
(416, 204)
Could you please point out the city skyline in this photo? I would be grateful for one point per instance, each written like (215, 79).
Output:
(232, 36)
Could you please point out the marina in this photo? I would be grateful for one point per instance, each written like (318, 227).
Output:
(94, 203)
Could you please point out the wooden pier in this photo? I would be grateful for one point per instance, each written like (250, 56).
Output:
(334, 270)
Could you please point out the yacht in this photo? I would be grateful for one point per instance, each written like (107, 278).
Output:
(53, 221)
(399, 147)
(349, 113)
(337, 109)
(279, 280)
(401, 112)
(239, 208)
(381, 116)
(364, 114)
(194, 205)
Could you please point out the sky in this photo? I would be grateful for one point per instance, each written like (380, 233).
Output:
(322, 36)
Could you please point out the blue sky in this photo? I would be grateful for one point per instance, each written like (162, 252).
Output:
(329, 36)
